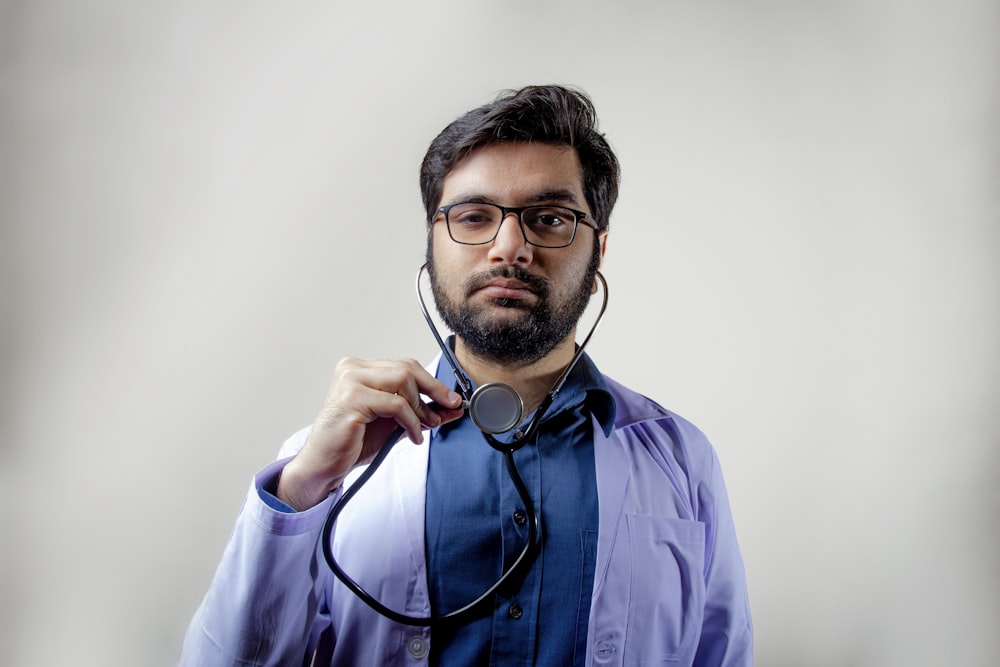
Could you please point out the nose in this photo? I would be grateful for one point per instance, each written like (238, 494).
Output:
(509, 245)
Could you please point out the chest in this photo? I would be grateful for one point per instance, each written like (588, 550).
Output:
(478, 523)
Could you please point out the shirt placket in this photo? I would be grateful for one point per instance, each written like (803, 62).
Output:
(515, 614)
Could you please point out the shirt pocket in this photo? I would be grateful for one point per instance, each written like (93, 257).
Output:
(667, 590)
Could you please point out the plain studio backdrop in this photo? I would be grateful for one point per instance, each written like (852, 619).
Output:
(206, 205)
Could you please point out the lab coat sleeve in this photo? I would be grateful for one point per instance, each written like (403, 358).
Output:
(727, 632)
(267, 602)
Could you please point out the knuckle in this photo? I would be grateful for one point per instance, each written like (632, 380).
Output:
(344, 366)
(399, 375)
(347, 362)
(412, 366)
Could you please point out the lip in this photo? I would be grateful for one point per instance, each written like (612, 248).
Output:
(506, 288)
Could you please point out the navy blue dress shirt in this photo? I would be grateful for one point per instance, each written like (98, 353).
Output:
(476, 524)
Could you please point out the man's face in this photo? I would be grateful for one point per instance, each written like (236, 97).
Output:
(508, 301)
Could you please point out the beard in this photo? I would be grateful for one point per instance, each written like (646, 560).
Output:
(520, 340)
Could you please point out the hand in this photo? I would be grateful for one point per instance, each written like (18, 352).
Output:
(366, 401)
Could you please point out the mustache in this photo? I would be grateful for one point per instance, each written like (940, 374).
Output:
(539, 286)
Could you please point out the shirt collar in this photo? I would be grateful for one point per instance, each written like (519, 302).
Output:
(585, 384)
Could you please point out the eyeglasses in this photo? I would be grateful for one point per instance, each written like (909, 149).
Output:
(473, 223)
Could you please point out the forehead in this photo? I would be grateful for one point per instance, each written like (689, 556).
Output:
(516, 173)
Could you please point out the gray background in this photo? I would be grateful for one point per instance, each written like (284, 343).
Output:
(205, 205)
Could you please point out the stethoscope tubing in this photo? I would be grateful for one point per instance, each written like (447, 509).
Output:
(423, 621)
(507, 449)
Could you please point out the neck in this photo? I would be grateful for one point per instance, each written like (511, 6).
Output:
(532, 381)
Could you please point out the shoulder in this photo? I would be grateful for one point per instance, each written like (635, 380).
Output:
(635, 408)
(666, 451)
(642, 421)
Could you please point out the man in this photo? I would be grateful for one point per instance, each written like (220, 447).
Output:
(636, 560)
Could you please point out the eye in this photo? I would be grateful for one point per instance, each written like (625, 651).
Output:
(472, 214)
(549, 217)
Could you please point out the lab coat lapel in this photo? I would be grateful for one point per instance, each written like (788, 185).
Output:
(613, 464)
(410, 487)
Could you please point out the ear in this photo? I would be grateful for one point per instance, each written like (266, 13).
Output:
(602, 239)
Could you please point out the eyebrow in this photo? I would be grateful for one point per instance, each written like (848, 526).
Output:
(559, 195)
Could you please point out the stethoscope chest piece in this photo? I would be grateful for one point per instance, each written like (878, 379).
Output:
(495, 408)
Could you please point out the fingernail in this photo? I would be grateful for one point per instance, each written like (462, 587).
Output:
(453, 397)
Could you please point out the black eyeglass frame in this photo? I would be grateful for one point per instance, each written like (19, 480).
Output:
(578, 217)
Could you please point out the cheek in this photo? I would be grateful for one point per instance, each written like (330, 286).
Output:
(443, 254)
(574, 275)
(437, 247)
(456, 258)
(450, 265)
(574, 271)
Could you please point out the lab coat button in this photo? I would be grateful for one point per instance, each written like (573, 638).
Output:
(520, 518)
(515, 611)
(604, 651)
(417, 647)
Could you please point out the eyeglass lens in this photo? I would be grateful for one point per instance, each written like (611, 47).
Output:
(546, 226)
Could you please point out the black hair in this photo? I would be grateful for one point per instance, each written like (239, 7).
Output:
(554, 115)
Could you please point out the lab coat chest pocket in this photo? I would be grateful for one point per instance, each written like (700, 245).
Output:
(667, 589)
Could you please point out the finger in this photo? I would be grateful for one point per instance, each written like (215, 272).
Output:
(382, 404)
(447, 415)
(427, 383)
(408, 378)
(403, 382)
(434, 389)
(401, 377)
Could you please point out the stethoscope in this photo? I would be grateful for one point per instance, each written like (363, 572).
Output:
(495, 408)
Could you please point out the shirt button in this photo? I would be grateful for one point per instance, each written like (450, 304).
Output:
(520, 518)
(515, 611)
(417, 647)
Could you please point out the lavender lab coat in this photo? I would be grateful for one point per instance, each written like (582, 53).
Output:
(669, 586)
